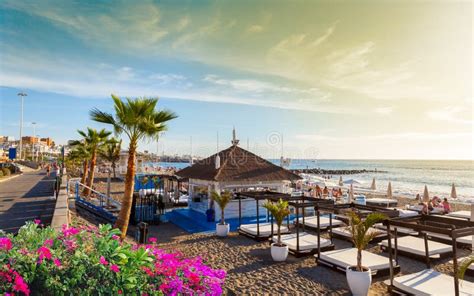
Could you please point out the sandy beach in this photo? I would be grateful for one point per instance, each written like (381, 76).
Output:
(251, 270)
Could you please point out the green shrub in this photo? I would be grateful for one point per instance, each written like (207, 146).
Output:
(1, 173)
(92, 261)
(6, 172)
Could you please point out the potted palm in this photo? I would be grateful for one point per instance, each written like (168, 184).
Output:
(222, 229)
(359, 277)
(279, 211)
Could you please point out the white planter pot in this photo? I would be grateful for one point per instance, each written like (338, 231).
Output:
(359, 281)
(222, 229)
(279, 253)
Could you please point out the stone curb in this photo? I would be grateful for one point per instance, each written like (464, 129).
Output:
(61, 211)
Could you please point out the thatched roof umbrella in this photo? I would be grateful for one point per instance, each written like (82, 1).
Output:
(373, 187)
(453, 192)
(426, 195)
(389, 190)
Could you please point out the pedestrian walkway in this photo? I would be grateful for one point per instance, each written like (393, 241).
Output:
(27, 197)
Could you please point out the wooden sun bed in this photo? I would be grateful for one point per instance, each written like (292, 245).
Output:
(460, 214)
(430, 282)
(324, 222)
(400, 230)
(340, 259)
(419, 209)
(265, 230)
(412, 246)
(381, 202)
(464, 241)
(344, 233)
(308, 243)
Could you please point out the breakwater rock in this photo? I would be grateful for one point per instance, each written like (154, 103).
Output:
(335, 172)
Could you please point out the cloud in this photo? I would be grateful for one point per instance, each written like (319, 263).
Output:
(383, 110)
(183, 23)
(255, 29)
(120, 26)
(167, 78)
(256, 86)
(453, 114)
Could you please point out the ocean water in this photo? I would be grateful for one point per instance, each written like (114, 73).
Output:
(408, 177)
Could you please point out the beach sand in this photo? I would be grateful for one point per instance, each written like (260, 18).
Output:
(251, 270)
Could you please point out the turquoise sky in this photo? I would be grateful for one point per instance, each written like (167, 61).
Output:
(332, 79)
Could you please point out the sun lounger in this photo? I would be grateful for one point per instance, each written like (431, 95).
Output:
(430, 282)
(345, 233)
(407, 213)
(465, 240)
(419, 208)
(412, 246)
(340, 259)
(400, 230)
(312, 222)
(382, 202)
(265, 229)
(308, 242)
(460, 214)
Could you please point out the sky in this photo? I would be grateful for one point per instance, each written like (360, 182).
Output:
(306, 79)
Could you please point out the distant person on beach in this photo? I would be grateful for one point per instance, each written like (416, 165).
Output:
(418, 197)
(425, 210)
(48, 169)
(318, 191)
(446, 206)
(325, 191)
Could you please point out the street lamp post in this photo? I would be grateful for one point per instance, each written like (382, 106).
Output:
(34, 141)
(22, 95)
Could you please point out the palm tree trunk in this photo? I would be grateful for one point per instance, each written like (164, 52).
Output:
(279, 235)
(84, 174)
(113, 169)
(90, 180)
(124, 215)
(222, 216)
(359, 260)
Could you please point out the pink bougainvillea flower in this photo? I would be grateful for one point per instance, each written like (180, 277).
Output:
(20, 285)
(37, 221)
(71, 245)
(57, 262)
(5, 243)
(48, 242)
(44, 253)
(103, 261)
(114, 268)
(152, 240)
(68, 231)
(115, 237)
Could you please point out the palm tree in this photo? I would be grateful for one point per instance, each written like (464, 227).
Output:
(138, 119)
(94, 140)
(111, 153)
(279, 211)
(361, 235)
(81, 153)
(222, 200)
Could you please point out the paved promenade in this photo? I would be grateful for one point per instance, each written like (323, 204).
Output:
(27, 197)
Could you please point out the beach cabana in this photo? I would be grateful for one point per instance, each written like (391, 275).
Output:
(305, 243)
(233, 169)
(428, 281)
(341, 259)
(262, 230)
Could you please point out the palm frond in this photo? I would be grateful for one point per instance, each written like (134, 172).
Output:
(463, 267)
